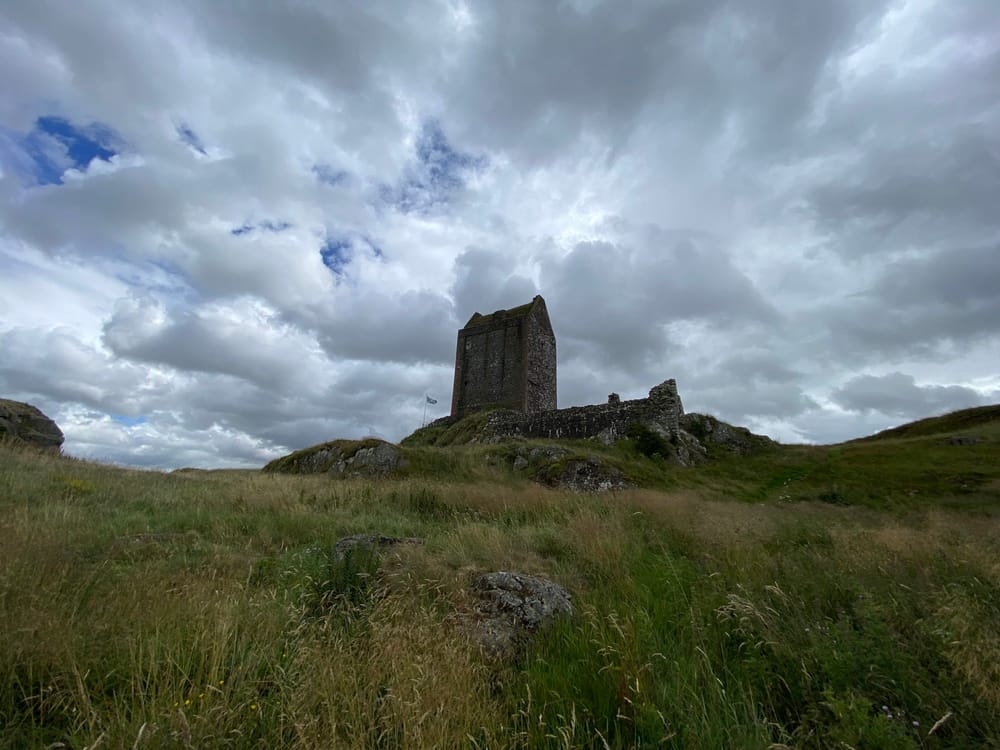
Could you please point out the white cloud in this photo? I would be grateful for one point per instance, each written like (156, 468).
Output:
(780, 208)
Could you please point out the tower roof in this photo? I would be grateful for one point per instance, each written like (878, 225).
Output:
(520, 311)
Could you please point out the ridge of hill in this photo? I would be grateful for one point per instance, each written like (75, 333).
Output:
(927, 463)
(985, 418)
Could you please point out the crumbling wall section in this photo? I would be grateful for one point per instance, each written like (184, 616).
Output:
(661, 411)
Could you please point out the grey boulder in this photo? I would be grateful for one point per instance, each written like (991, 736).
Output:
(512, 606)
(28, 424)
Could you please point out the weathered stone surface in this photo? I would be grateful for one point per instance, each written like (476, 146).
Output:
(708, 430)
(342, 458)
(660, 411)
(506, 358)
(690, 438)
(377, 460)
(583, 475)
(27, 423)
(512, 606)
(370, 542)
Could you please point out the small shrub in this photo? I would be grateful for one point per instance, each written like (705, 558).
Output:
(648, 442)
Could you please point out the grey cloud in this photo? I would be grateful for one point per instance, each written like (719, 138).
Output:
(898, 395)
(818, 176)
(762, 365)
(545, 75)
(930, 305)
(916, 194)
(220, 341)
(619, 296)
(955, 277)
(59, 367)
(415, 326)
(751, 399)
(485, 282)
(158, 444)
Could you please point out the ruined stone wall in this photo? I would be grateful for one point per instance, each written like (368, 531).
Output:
(608, 422)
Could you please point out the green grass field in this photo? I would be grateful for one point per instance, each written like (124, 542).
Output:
(805, 597)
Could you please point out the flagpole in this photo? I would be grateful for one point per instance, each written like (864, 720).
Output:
(423, 419)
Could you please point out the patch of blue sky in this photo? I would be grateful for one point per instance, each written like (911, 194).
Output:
(54, 145)
(274, 226)
(161, 277)
(330, 175)
(439, 172)
(267, 225)
(189, 137)
(129, 421)
(336, 254)
(374, 246)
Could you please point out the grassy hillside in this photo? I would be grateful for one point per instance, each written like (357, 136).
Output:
(983, 419)
(806, 597)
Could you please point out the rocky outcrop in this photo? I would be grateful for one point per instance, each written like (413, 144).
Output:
(683, 439)
(342, 458)
(26, 423)
(584, 474)
(512, 606)
(710, 432)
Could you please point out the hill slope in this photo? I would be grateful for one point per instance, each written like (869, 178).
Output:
(207, 609)
(929, 463)
(984, 419)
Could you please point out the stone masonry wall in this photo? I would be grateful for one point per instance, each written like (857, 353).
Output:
(608, 422)
(507, 358)
(540, 356)
(490, 359)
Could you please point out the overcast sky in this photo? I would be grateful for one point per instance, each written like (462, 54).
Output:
(233, 229)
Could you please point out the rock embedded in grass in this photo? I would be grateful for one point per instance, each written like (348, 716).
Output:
(963, 440)
(512, 606)
(368, 458)
(584, 475)
(369, 542)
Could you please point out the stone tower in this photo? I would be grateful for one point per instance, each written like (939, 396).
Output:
(506, 358)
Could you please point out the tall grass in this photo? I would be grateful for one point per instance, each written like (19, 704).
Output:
(204, 610)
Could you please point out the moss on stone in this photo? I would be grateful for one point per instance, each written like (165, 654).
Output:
(320, 458)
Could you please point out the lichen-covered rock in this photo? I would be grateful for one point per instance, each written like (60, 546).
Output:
(369, 542)
(377, 460)
(583, 475)
(525, 456)
(710, 431)
(342, 458)
(512, 606)
(27, 423)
